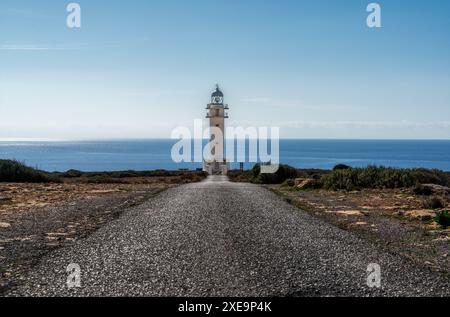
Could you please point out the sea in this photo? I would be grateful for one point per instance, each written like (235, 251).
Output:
(122, 155)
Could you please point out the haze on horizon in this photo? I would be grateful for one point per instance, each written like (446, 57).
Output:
(140, 69)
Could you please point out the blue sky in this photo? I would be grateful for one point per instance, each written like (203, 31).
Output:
(139, 68)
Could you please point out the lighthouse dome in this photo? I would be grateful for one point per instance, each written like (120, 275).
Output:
(217, 93)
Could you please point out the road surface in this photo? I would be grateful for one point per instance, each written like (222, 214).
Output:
(218, 238)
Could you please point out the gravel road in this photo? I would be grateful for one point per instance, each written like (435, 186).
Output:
(218, 238)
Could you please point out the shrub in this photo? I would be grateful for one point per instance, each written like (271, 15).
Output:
(381, 177)
(289, 183)
(13, 171)
(283, 173)
(443, 218)
(238, 176)
(256, 170)
(72, 174)
(434, 203)
(344, 177)
(423, 190)
(341, 167)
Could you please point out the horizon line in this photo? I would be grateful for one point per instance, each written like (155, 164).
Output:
(167, 139)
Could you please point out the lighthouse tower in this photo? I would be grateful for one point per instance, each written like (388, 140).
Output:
(217, 113)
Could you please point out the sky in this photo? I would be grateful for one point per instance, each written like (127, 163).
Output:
(140, 68)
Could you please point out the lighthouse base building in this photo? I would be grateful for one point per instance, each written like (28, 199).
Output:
(216, 164)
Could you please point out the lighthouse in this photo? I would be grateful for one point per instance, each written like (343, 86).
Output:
(216, 164)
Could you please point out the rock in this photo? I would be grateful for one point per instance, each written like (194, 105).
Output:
(423, 214)
(4, 225)
(304, 183)
(57, 234)
(346, 212)
(437, 189)
(5, 199)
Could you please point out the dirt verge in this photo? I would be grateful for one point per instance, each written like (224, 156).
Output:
(394, 219)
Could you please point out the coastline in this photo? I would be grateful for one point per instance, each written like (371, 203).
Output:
(152, 154)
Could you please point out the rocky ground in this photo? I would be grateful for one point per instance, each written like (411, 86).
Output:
(133, 237)
(217, 238)
(394, 219)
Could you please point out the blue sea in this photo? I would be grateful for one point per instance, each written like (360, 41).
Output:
(156, 154)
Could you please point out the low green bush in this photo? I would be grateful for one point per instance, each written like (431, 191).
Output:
(16, 172)
(341, 167)
(283, 173)
(72, 174)
(382, 177)
(443, 218)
